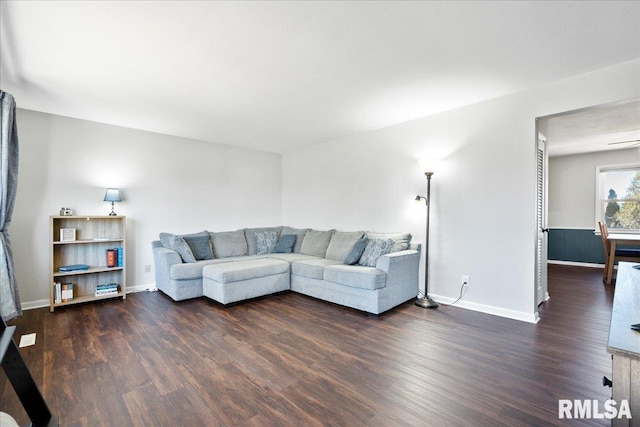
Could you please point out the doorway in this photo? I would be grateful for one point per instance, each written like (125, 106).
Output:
(576, 137)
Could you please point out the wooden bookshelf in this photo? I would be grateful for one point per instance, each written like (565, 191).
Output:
(93, 236)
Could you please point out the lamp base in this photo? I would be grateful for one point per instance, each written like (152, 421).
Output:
(426, 302)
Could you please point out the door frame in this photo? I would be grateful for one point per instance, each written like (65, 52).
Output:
(541, 289)
(540, 130)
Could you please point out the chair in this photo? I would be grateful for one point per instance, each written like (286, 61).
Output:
(632, 255)
(20, 378)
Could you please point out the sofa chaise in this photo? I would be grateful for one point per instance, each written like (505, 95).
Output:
(372, 272)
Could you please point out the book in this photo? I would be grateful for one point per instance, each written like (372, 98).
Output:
(57, 293)
(67, 292)
(107, 292)
(73, 267)
(107, 289)
(111, 258)
(120, 254)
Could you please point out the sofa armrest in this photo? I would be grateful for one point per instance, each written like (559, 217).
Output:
(167, 256)
(402, 271)
(164, 258)
(407, 259)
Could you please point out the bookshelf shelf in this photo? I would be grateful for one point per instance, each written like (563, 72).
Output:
(94, 235)
(91, 270)
(88, 298)
(87, 241)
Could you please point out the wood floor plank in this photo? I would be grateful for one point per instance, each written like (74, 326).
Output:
(291, 360)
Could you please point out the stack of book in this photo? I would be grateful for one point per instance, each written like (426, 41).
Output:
(62, 292)
(108, 289)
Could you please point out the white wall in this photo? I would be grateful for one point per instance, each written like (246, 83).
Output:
(483, 212)
(572, 186)
(169, 184)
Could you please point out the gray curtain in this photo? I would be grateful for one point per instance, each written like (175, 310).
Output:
(10, 306)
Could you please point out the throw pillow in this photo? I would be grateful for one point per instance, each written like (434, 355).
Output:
(401, 241)
(266, 242)
(250, 236)
(179, 245)
(374, 250)
(341, 244)
(286, 243)
(200, 245)
(299, 232)
(165, 239)
(356, 252)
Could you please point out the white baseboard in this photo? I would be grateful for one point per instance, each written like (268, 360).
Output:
(30, 305)
(576, 264)
(489, 309)
(141, 288)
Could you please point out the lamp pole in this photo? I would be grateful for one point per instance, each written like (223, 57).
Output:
(426, 301)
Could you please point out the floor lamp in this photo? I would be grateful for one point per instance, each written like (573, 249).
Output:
(426, 301)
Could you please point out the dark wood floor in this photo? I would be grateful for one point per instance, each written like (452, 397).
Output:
(292, 360)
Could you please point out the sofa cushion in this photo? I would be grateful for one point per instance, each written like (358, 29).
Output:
(312, 268)
(401, 240)
(355, 276)
(229, 243)
(289, 257)
(286, 243)
(250, 235)
(375, 249)
(316, 242)
(266, 242)
(299, 232)
(244, 270)
(200, 245)
(179, 245)
(189, 271)
(341, 244)
(355, 254)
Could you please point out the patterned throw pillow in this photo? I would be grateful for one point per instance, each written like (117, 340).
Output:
(266, 242)
(374, 250)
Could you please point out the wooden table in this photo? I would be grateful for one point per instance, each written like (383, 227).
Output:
(624, 343)
(615, 240)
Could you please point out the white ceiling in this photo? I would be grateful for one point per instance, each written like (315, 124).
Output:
(274, 76)
(613, 126)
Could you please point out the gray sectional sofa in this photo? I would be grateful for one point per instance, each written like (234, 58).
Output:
(368, 271)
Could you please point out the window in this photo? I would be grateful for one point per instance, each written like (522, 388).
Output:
(618, 197)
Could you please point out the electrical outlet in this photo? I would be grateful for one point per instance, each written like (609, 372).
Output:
(465, 281)
(147, 268)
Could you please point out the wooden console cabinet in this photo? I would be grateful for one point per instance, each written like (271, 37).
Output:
(624, 343)
(88, 245)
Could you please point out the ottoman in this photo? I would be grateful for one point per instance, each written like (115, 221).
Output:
(240, 280)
